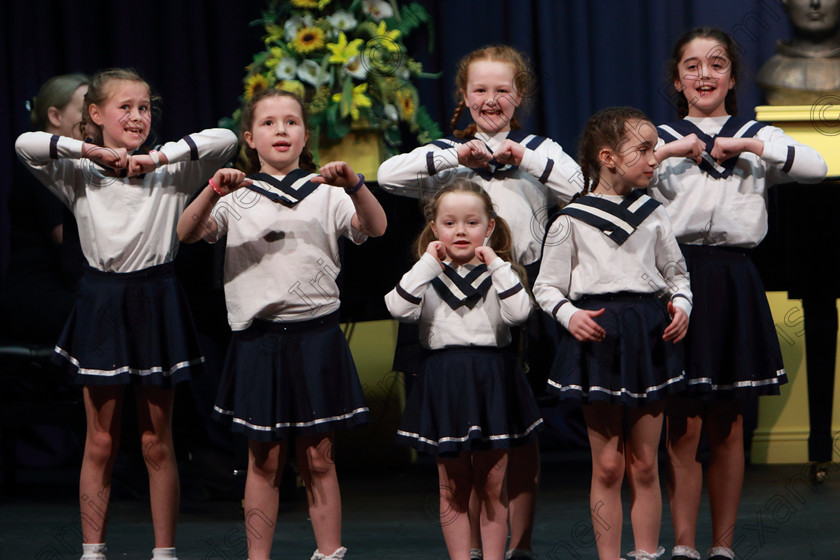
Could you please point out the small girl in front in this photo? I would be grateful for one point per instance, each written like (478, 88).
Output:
(131, 322)
(289, 371)
(609, 259)
(526, 177)
(714, 176)
(471, 402)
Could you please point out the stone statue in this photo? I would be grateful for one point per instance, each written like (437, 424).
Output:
(807, 67)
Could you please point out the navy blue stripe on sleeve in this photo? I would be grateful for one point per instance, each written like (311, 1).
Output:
(54, 146)
(507, 293)
(430, 164)
(408, 297)
(557, 308)
(193, 148)
(548, 167)
(791, 152)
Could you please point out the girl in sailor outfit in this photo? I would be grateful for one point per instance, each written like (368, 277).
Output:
(470, 403)
(289, 370)
(610, 258)
(526, 176)
(131, 323)
(715, 170)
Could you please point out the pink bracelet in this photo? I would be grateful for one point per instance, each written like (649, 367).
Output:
(216, 188)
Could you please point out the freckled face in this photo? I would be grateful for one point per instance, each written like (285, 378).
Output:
(491, 95)
(462, 225)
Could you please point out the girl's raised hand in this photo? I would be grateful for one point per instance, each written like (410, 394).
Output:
(679, 324)
(726, 148)
(337, 173)
(510, 152)
(228, 179)
(584, 328)
(438, 251)
(474, 154)
(115, 158)
(485, 254)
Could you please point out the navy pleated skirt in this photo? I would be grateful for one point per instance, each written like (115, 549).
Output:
(290, 378)
(466, 399)
(133, 327)
(631, 366)
(732, 348)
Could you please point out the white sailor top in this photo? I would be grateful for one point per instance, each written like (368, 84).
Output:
(126, 224)
(521, 194)
(282, 254)
(462, 306)
(725, 204)
(603, 244)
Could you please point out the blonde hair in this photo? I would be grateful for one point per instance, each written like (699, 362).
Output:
(56, 92)
(501, 239)
(98, 93)
(522, 82)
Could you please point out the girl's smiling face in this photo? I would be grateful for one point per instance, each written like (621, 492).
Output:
(462, 224)
(278, 134)
(491, 95)
(705, 77)
(126, 115)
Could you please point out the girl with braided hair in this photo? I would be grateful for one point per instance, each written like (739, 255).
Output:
(610, 262)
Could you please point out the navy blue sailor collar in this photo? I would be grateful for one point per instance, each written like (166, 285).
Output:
(734, 127)
(618, 221)
(291, 189)
(462, 291)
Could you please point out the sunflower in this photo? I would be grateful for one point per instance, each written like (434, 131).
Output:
(407, 103)
(253, 84)
(309, 39)
(293, 86)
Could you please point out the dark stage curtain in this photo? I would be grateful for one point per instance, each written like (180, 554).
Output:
(586, 55)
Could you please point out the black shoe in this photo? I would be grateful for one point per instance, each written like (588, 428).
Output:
(719, 557)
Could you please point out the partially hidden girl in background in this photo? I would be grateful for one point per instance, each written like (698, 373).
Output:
(36, 296)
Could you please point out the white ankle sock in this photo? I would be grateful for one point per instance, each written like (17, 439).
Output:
(337, 555)
(164, 554)
(685, 551)
(722, 551)
(94, 551)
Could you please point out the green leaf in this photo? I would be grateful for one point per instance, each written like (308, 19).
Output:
(337, 127)
(346, 97)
